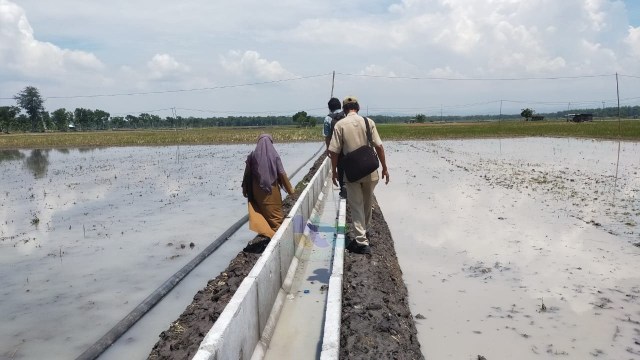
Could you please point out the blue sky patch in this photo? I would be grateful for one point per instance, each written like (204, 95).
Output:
(633, 9)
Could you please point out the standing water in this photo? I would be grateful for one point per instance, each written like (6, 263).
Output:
(87, 234)
(518, 248)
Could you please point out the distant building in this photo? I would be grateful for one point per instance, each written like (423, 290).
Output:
(579, 117)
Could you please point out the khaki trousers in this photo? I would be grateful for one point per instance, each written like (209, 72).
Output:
(360, 198)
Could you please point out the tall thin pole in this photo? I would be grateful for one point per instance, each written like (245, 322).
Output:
(500, 118)
(333, 81)
(615, 182)
(618, 93)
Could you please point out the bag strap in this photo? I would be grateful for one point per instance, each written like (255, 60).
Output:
(366, 123)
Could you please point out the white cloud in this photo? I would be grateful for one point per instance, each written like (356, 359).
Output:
(445, 72)
(377, 70)
(110, 51)
(251, 64)
(21, 52)
(164, 66)
(633, 41)
(497, 36)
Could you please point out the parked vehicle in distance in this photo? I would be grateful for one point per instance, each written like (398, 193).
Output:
(579, 117)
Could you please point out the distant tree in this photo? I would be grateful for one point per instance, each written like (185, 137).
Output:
(83, 118)
(420, 118)
(30, 100)
(148, 120)
(22, 123)
(145, 120)
(100, 119)
(46, 120)
(303, 120)
(117, 122)
(526, 114)
(61, 119)
(133, 121)
(8, 117)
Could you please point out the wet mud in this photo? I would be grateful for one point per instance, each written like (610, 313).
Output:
(376, 320)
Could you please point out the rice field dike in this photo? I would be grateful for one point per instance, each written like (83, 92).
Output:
(611, 130)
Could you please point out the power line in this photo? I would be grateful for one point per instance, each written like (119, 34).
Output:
(208, 111)
(182, 90)
(457, 106)
(247, 112)
(327, 74)
(477, 79)
(585, 102)
(141, 112)
(629, 76)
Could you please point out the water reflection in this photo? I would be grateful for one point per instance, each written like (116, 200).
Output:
(38, 162)
(10, 155)
(485, 238)
(111, 226)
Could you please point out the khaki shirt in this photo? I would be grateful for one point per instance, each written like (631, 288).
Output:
(349, 134)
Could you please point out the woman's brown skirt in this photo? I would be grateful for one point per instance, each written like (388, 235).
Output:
(265, 211)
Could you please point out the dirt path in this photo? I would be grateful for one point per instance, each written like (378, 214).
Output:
(376, 321)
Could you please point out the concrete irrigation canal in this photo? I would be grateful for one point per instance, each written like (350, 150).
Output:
(287, 301)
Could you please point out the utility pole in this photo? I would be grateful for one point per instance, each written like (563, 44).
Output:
(500, 118)
(333, 81)
(618, 93)
(175, 117)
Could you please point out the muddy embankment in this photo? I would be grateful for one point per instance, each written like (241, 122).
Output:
(376, 321)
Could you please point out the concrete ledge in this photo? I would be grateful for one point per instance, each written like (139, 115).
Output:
(333, 312)
(236, 331)
(253, 310)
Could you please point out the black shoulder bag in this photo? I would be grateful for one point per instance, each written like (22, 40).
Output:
(361, 161)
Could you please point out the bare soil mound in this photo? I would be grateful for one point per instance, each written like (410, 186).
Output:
(376, 321)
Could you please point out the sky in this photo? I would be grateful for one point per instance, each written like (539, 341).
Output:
(230, 58)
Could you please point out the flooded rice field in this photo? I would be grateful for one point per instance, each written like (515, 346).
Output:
(512, 248)
(519, 248)
(86, 235)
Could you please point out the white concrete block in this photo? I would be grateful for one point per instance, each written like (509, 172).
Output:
(223, 337)
(242, 332)
(331, 334)
(287, 250)
(269, 283)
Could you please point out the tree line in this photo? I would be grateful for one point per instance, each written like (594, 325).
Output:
(29, 114)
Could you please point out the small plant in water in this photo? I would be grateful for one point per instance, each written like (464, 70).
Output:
(543, 307)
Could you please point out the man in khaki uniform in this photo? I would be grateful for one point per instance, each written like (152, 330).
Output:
(349, 134)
